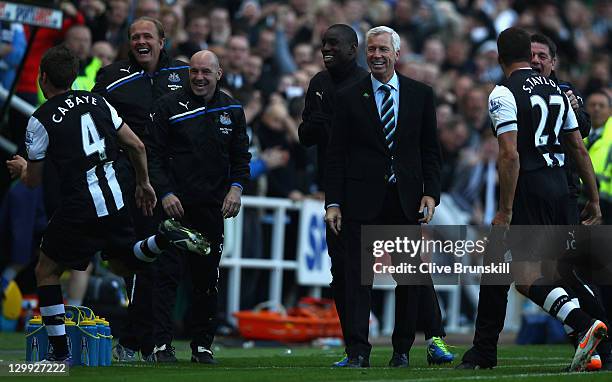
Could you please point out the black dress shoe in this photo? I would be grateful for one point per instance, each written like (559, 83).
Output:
(467, 365)
(358, 362)
(399, 360)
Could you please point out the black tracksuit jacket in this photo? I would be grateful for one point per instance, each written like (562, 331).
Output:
(198, 149)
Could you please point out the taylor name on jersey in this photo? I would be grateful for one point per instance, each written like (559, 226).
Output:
(535, 107)
(532, 82)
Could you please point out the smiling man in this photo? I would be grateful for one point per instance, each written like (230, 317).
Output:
(131, 86)
(339, 50)
(382, 168)
(200, 156)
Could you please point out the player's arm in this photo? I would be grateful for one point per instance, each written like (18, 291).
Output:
(145, 195)
(508, 165)
(504, 116)
(579, 154)
(36, 142)
(129, 141)
(33, 174)
(136, 151)
(30, 173)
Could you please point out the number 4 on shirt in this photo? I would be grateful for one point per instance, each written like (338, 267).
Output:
(92, 143)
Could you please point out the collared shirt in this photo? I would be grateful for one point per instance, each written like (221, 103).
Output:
(379, 94)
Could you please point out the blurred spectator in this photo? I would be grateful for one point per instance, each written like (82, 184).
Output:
(474, 109)
(550, 22)
(303, 54)
(12, 48)
(104, 52)
(78, 41)
(457, 51)
(112, 25)
(433, 51)
(198, 29)
(277, 129)
(479, 28)
(599, 144)
(172, 25)
(487, 67)
(270, 70)
(599, 76)
(253, 70)
(150, 8)
(220, 28)
(92, 9)
(236, 60)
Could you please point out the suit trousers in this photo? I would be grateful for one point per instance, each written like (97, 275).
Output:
(357, 295)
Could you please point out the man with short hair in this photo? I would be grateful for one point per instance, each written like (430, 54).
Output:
(80, 133)
(529, 113)
(132, 86)
(339, 50)
(493, 298)
(382, 168)
(200, 173)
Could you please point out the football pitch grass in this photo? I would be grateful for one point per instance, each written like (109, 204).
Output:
(295, 364)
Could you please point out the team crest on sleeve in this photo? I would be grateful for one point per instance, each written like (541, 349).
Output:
(29, 138)
(225, 119)
(494, 105)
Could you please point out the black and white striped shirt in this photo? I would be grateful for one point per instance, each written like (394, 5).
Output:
(77, 131)
(535, 107)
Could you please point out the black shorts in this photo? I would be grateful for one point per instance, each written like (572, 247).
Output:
(540, 214)
(72, 242)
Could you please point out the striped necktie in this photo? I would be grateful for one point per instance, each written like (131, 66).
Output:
(387, 117)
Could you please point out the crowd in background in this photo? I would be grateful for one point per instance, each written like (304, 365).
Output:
(269, 51)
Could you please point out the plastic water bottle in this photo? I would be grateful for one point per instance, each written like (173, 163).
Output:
(89, 342)
(374, 326)
(74, 341)
(37, 342)
(109, 343)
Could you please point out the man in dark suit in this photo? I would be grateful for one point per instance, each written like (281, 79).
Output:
(383, 167)
(339, 50)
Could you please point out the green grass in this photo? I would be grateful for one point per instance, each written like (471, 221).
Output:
(523, 363)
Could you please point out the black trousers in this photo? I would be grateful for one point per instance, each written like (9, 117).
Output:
(204, 271)
(492, 302)
(357, 297)
(337, 253)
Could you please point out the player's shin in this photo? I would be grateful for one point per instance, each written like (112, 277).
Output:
(557, 302)
(52, 311)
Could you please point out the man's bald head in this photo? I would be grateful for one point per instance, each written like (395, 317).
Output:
(204, 73)
(205, 56)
